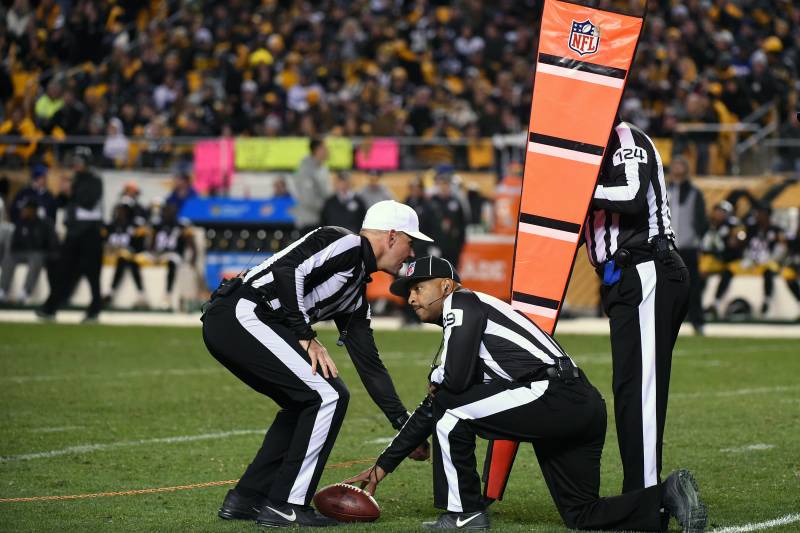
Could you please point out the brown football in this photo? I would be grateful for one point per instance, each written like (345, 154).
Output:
(347, 503)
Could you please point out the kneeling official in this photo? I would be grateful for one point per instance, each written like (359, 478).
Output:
(259, 328)
(501, 377)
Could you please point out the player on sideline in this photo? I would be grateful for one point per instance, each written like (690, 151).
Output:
(501, 377)
(259, 327)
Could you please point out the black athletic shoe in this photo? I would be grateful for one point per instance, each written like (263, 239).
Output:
(682, 500)
(45, 315)
(238, 507)
(290, 515)
(473, 520)
(90, 319)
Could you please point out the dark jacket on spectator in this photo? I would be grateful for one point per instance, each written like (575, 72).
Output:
(37, 235)
(43, 199)
(84, 206)
(346, 212)
(451, 223)
(689, 219)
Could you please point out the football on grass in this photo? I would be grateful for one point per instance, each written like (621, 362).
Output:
(347, 503)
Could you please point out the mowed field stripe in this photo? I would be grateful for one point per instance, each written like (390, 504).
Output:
(89, 448)
(782, 521)
(154, 490)
(733, 392)
(118, 375)
(605, 356)
(587, 357)
(748, 448)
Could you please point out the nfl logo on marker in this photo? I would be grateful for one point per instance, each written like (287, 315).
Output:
(584, 37)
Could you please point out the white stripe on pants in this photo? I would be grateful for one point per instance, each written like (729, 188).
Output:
(245, 314)
(497, 403)
(647, 330)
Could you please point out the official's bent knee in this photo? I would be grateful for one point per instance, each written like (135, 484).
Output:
(342, 398)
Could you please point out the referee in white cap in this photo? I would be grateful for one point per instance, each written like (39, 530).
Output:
(259, 326)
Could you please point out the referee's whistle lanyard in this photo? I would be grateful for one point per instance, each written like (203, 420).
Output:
(343, 334)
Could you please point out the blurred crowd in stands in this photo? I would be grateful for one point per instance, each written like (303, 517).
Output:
(150, 69)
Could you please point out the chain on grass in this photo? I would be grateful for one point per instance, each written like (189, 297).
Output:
(154, 490)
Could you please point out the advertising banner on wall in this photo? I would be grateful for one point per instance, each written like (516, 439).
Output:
(238, 210)
(221, 265)
(285, 153)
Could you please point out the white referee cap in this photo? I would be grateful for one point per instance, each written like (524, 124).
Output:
(390, 215)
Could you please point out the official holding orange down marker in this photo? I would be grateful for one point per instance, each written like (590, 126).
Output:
(500, 376)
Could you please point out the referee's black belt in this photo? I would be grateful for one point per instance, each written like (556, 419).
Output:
(625, 257)
(563, 370)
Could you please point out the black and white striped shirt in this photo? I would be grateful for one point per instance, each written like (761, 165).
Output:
(485, 339)
(630, 205)
(321, 276)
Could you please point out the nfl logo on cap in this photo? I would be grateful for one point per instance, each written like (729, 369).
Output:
(410, 270)
(584, 37)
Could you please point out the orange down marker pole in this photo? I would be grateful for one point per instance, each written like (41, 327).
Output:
(583, 60)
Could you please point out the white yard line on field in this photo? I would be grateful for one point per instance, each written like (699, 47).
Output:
(749, 448)
(382, 440)
(745, 528)
(733, 392)
(55, 429)
(120, 375)
(88, 448)
(605, 356)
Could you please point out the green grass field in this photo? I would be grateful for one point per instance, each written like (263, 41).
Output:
(102, 409)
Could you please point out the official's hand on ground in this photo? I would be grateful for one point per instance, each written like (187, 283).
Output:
(368, 479)
(421, 452)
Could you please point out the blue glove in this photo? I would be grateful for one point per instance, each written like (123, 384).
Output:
(611, 273)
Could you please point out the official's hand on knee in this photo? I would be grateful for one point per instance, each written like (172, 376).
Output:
(319, 357)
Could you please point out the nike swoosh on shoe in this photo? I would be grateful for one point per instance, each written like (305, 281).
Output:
(459, 523)
(290, 517)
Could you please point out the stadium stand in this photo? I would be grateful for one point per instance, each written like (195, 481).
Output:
(457, 70)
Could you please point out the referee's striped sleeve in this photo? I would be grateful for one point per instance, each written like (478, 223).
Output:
(625, 188)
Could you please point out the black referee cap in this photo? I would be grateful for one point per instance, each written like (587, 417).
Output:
(423, 269)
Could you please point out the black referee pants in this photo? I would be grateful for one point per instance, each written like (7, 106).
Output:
(565, 422)
(265, 355)
(80, 255)
(691, 257)
(646, 308)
